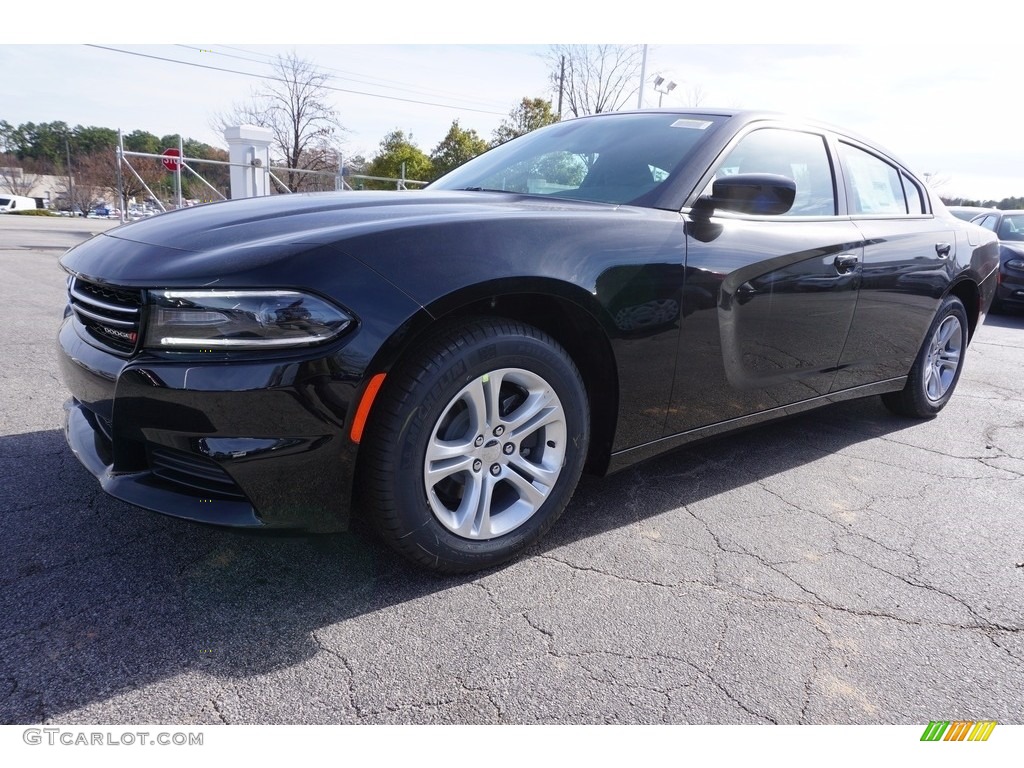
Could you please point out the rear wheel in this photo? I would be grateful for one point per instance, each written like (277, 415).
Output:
(937, 368)
(475, 445)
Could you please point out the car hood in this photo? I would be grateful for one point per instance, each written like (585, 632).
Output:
(239, 240)
(322, 218)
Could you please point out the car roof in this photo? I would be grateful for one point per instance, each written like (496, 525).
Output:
(748, 116)
(987, 211)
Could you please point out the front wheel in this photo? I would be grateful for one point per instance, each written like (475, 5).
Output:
(475, 445)
(938, 365)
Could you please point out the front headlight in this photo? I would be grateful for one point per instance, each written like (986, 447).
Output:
(242, 319)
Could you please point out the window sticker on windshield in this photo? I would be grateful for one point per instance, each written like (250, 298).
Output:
(683, 122)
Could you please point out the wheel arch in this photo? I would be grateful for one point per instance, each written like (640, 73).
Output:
(566, 312)
(969, 294)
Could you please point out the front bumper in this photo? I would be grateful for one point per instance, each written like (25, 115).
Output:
(1010, 291)
(240, 443)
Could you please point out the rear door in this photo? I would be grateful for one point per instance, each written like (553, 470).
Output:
(908, 264)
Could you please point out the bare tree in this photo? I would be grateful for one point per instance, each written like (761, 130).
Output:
(137, 173)
(935, 180)
(13, 179)
(597, 78)
(696, 95)
(78, 192)
(294, 105)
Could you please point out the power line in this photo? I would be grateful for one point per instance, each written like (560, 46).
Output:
(368, 79)
(343, 74)
(282, 80)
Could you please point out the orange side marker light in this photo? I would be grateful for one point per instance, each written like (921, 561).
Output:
(363, 411)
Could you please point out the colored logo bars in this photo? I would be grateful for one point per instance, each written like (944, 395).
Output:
(958, 730)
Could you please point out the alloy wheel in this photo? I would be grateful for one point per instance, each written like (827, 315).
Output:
(495, 454)
(943, 358)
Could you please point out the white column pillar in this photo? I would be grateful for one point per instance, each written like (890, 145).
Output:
(248, 145)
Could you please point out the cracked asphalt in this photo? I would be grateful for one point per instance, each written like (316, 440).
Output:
(844, 566)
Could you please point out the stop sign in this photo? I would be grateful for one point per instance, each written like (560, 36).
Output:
(170, 159)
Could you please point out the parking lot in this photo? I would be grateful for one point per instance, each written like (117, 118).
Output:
(845, 566)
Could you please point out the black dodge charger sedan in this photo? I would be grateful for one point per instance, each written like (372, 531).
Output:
(447, 362)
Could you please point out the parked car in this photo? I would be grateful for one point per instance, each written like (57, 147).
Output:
(447, 362)
(1009, 228)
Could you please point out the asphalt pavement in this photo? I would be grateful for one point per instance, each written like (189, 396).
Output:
(845, 566)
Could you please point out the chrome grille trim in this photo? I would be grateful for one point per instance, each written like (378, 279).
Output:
(100, 304)
(104, 318)
(110, 315)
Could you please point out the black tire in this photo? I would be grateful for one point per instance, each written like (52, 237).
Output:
(937, 368)
(440, 481)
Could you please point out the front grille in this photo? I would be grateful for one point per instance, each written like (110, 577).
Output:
(195, 472)
(111, 315)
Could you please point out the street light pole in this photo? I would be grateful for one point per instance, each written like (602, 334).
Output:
(643, 77)
(662, 86)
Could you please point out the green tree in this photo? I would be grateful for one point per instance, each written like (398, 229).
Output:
(87, 140)
(395, 149)
(455, 149)
(529, 115)
(11, 140)
(143, 141)
(49, 142)
(45, 141)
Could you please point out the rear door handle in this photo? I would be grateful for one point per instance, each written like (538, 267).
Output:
(844, 262)
(943, 249)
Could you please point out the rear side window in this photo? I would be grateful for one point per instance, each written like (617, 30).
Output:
(915, 201)
(876, 188)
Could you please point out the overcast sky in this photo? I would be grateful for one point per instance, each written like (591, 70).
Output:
(935, 95)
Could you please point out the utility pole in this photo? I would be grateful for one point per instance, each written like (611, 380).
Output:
(71, 189)
(121, 202)
(561, 86)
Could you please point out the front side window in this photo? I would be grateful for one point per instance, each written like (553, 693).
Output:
(875, 186)
(796, 155)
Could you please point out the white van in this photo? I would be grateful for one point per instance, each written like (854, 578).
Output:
(10, 203)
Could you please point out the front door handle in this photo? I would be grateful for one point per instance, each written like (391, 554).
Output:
(943, 249)
(844, 262)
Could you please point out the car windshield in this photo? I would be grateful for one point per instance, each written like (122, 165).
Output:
(625, 158)
(1012, 228)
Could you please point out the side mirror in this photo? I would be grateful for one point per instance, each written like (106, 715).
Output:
(761, 194)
